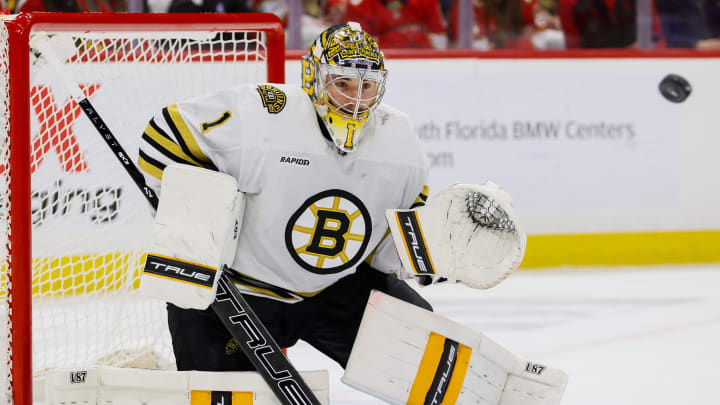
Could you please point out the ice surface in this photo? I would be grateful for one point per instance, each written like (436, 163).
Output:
(630, 335)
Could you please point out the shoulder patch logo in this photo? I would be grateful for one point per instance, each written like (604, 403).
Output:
(273, 98)
(206, 126)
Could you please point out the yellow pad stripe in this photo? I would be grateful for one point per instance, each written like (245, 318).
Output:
(428, 369)
(186, 134)
(458, 377)
(198, 397)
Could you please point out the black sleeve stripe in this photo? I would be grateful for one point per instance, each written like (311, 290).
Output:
(160, 165)
(178, 138)
(424, 193)
(160, 142)
(150, 166)
(421, 198)
(170, 155)
(202, 161)
(159, 130)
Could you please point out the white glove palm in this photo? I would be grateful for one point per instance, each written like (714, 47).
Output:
(466, 233)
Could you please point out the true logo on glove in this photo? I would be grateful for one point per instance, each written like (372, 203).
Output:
(415, 242)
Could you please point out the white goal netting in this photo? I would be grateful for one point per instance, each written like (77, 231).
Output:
(90, 223)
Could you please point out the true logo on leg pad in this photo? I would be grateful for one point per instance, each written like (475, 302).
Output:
(441, 373)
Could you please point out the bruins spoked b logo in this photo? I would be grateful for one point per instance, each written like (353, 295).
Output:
(329, 232)
(273, 99)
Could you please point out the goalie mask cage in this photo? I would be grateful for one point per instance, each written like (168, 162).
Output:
(75, 225)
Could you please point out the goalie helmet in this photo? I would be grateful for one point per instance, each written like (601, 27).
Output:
(344, 75)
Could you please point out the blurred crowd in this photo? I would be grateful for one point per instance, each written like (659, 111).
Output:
(494, 24)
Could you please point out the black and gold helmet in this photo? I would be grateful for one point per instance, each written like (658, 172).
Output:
(344, 75)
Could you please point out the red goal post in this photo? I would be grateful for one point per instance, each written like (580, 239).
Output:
(74, 224)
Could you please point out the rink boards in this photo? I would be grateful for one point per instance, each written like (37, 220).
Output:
(603, 169)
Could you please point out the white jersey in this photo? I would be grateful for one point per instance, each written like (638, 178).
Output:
(312, 214)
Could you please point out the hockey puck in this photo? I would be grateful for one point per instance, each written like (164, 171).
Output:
(675, 88)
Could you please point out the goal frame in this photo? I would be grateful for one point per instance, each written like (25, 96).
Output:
(19, 29)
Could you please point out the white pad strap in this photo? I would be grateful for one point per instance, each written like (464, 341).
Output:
(404, 354)
(465, 233)
(195, 234)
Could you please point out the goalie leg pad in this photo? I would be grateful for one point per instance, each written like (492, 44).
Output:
(406, 355)
(134, 386)
(195, 234)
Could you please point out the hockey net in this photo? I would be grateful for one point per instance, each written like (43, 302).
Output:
(59, 183)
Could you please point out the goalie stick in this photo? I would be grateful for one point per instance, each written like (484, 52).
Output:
(229, 305)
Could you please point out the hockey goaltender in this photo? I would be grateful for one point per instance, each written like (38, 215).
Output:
(313, 200)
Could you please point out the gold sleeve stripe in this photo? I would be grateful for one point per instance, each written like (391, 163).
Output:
(150, 165)
(159, 130)
(185, 138)
(433, 364)
(167, 147)
(267, 292)
(269, 289)
(421, 198)
(425, 192)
